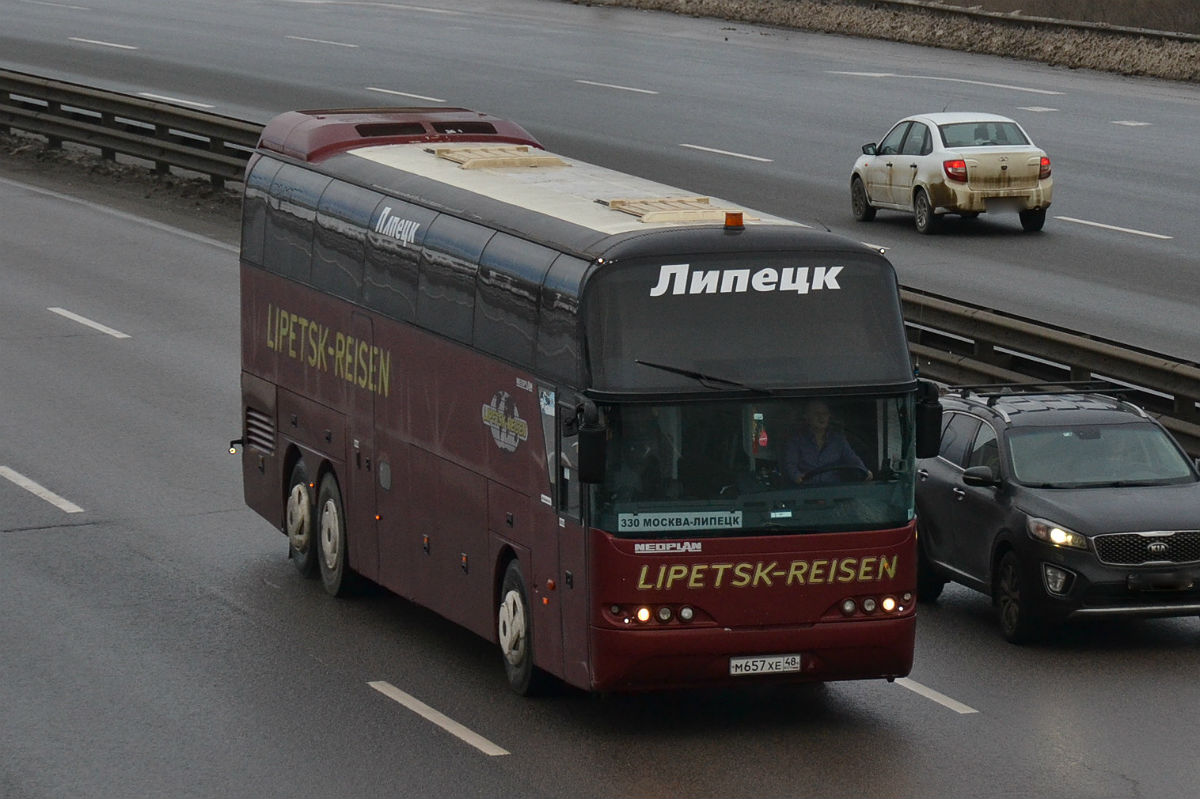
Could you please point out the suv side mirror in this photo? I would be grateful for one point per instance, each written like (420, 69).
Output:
(980, 476)
(929, 420)
(593, 443)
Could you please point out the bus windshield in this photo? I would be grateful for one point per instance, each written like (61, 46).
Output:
(761, 466)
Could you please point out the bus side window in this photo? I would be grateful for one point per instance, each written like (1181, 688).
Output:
(291, 217)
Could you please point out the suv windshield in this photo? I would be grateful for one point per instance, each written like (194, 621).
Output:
(756, 466)
(1096, 455)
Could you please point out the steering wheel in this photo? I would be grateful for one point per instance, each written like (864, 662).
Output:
(852, 474)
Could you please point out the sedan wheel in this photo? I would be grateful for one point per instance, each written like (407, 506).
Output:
(1033, 221)
(1014, 600)
(927, 221)
(860, 204)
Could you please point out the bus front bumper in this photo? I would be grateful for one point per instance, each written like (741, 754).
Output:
(655, 659)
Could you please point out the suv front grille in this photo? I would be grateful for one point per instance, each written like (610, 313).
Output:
(1136, 549)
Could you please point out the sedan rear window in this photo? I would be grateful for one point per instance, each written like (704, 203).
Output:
(982, 134)
(1096, 455)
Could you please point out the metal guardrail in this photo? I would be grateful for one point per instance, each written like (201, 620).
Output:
(960, 343)
(166, 135)
(951, 341)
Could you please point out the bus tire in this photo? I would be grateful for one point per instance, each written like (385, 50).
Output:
(298, 522)
(514, 631)
(331, 538)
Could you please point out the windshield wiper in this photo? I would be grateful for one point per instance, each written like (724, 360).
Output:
(708, 381)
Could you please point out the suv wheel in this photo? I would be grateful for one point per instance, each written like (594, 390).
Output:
(1013, 595)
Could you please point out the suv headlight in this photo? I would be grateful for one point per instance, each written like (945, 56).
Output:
(1055, 534)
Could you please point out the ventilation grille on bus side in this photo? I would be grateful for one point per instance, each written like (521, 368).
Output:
(260, 431)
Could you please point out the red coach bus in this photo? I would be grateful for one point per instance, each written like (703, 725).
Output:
(638, 438)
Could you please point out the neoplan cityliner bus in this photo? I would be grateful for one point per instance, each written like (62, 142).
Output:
(553, 403)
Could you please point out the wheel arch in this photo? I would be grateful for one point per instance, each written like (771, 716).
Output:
(291, 456)
(1002, 546)
(505, 556)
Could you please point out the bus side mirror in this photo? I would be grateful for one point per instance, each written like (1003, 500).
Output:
(929, 420)
(593, 443)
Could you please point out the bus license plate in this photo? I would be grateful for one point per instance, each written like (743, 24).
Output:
(770, 664)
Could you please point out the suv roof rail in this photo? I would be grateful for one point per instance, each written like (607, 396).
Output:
(993, 391)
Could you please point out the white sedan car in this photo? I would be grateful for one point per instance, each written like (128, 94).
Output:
(953, 163)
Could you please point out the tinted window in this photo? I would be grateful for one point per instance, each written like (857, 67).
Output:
(255, 203)
(290, 220)
(958, 435)
(340, 247)
(985, 450)
(558, 327)
(511, 272)
(449, 259)
(397, 231)
(782, 337)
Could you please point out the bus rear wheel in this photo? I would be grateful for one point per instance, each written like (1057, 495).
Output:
(514, 630)
(331, 538)
(298, 522)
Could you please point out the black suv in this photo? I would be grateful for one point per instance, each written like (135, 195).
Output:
(1058, 503)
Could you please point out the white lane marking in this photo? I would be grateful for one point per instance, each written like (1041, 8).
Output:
(393, 6)
(1114, 227)
(405, 94)
(320, 41)
(56, 5)
(83, 320)
(1037, 109)
(941, 699)
(947, 80)
(727, 152)
(616, 86)
(104, 209)
(39, 491)
(102, 44)
(1130, 123)
(440, 719)
(174, 100)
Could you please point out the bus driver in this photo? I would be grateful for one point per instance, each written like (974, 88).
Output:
(816, 454)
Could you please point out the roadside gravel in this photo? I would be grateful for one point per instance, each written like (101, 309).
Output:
(1107, 51)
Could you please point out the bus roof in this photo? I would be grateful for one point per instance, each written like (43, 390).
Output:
(313, 136)
(580, 193)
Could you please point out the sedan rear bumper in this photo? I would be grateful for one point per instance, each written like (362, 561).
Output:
(961, 199)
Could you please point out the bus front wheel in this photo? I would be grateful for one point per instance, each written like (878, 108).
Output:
(331, 538)
(514, 630)
(298, 522)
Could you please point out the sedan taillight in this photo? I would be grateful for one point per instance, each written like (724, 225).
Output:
(956, 170)
(1044, 170)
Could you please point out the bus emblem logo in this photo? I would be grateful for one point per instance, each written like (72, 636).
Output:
(502, 416)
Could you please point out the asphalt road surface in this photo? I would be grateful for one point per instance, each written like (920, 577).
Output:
(154, 641)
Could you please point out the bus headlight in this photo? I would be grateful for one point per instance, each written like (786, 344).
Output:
(643, 614)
